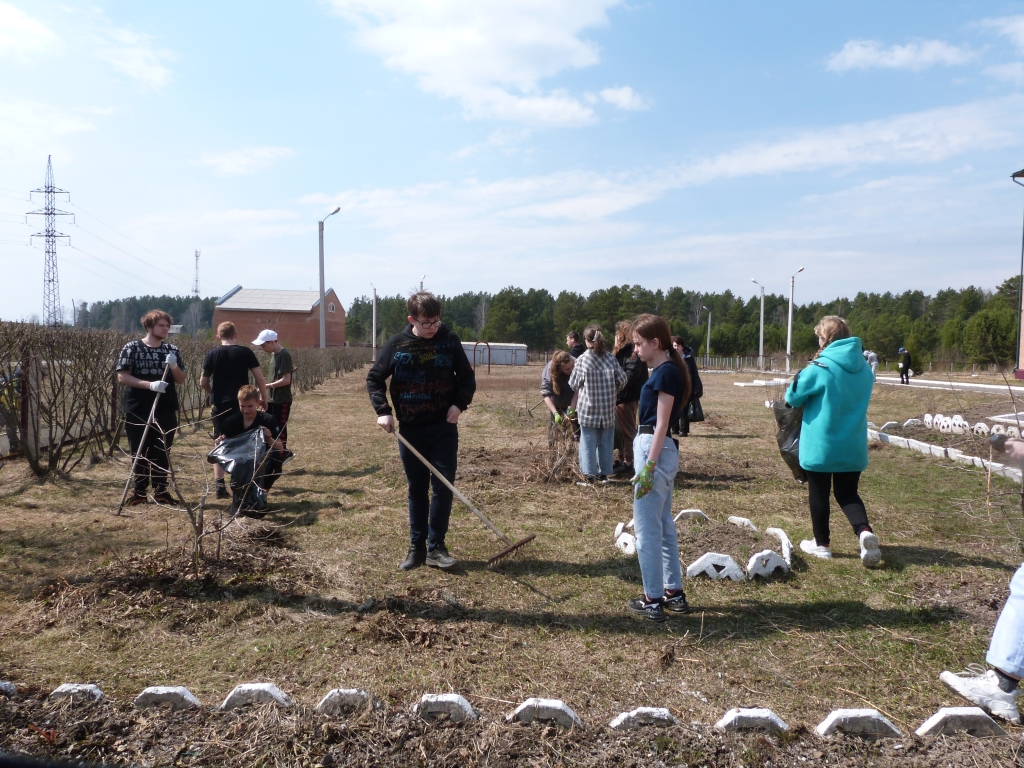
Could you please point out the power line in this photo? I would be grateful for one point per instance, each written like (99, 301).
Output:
(142, 261)
(118, 268)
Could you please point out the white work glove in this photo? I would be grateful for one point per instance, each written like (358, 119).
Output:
(172, 359)
(158, 386)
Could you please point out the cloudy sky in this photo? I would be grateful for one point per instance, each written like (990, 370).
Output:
(559, 144)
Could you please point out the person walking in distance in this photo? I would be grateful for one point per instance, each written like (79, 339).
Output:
(872, 360)
(596, 380)
(432, 384)
(629, 396)
(834, 390)
(576, 347)
(657, 543)
(682, 427)
(229, 366)
(904, 366)
(279, 389)
(140, 370)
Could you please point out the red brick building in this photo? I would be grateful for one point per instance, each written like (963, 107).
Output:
(295, 315)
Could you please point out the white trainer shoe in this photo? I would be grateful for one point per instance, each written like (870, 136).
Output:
(810, 546)
(984, 691)
(870, 554)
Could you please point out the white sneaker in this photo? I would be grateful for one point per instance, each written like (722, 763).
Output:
(810, 546)
(870, 554)
(984, 691)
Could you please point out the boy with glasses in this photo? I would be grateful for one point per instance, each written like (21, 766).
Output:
(432, 383)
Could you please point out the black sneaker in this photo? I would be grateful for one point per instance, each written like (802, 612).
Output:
(222, 491)
(639, 606)
(135, 499)
(439, 558)
(676, 603)
(163, 497)
(414, 559)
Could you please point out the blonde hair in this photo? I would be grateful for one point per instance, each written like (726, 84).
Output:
(592, 335)
(623, 335)
(832, 328)
(226, 330)
(248, 392)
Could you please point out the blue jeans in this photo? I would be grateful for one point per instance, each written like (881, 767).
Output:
(597, 444)
(1006, 650)
(428, 517)
(657, 543)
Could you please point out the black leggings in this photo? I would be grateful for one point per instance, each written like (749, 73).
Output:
(819, 485)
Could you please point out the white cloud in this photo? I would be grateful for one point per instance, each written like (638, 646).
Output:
(624, 98)
(1008, 26)
(133, 54)
(28, 129)
(491, 56)
(1009, 73)
(869, 54)
(21, 34)
(245, 160)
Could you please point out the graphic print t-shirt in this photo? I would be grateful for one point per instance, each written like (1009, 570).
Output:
(229, 366)
(147, 363)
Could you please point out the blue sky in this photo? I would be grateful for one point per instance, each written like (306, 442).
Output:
(559, 144)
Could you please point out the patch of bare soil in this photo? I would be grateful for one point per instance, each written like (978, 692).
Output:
(977, 595)
(482, 463)
(698, 538)
(117, 734)
(974, 445)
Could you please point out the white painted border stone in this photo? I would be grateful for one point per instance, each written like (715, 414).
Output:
(742, 522)
(949, 720)
(1011, 473)
(859, 722)
(706, 564)
(755, 719)
(554, 710)
(691, 514)
(178, 696)
(787, 545)
(626, 543)
(765, 563)
(8, 689)
(451, 704)
(256, 693)
(340, 700)
(641, 716)
(77, 692)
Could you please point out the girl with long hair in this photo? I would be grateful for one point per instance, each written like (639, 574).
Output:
(629, 395)
(657, 545)
(554, 388)
(834, 390)
(596, 380)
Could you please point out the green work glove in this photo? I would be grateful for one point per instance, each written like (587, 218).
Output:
(570, 412)
(644, 480)
(558, 417)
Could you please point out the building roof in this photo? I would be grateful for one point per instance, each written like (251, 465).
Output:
(266, 300)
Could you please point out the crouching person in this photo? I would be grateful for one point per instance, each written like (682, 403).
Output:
(662, 398)
(247, 419)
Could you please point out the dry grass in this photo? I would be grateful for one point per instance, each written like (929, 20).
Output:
(314, 601)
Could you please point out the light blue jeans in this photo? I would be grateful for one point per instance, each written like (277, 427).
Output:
(657, 543)
(597, 444)
(1006, 650)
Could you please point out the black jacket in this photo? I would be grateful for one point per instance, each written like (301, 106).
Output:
(906, 362)
(578, 350)
(636, 375)
(428, 376)
(696, 386)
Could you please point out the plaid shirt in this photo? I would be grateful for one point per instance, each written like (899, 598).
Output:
(597, 378)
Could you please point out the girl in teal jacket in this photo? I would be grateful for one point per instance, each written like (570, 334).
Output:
(835, 390)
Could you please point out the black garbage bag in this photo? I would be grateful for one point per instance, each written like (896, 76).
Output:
(789, 420)
(246, 458)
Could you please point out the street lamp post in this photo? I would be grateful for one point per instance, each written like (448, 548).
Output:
(323, 316)
(789, 333)
(1020, 291)
(760, 345)
(707, 347)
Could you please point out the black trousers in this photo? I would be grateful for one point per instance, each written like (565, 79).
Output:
(904, 375)
(153, 462)
(819, 484)
(281, 412)
(428, 517)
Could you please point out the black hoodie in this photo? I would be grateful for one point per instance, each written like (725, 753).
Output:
(428, 376)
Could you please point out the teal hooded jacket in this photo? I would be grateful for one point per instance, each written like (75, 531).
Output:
(834, 390)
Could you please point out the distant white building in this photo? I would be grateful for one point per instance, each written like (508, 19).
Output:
(495, 353)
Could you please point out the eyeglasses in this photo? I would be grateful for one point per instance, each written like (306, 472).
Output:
(429, 323)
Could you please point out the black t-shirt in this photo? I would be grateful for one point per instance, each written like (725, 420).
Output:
(665, 378)
(234, 425)
(229, 366)
(147, 363)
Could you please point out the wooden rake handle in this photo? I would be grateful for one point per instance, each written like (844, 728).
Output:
(453, 489)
